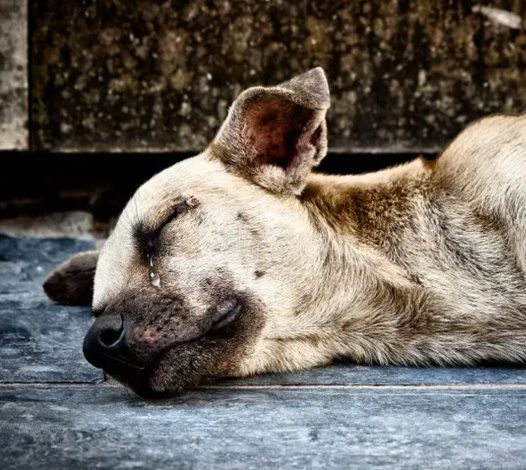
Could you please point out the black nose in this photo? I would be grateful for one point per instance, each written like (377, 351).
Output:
(105, 345)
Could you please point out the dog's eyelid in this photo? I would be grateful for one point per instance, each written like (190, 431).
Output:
(191, 202)
(147, 237)
(178, 209)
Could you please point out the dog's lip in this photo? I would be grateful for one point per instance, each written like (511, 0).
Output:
(122, 362)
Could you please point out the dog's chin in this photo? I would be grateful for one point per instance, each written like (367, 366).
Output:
(182, 367)
(143, 387)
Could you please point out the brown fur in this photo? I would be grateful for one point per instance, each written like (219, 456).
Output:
(420, 264)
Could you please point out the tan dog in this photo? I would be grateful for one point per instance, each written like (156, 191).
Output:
(241, 261)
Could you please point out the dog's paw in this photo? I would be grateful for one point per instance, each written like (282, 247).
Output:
(71, 283)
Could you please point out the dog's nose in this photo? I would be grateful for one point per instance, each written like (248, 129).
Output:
(105, 344)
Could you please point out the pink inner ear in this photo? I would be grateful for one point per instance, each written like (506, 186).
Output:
(277, 130)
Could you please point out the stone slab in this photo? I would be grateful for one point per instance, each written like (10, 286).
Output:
(106, 427)
(405, 76)
(39, 341)
(13, 75)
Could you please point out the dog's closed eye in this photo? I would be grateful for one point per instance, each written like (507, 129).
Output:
(146, 233)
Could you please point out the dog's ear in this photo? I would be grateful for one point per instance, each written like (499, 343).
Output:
(71, 283)
(274, 136)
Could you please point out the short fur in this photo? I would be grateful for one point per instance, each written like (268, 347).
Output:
(424, 263)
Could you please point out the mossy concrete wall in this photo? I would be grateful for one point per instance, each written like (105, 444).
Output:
(405, 75)
(13, 75)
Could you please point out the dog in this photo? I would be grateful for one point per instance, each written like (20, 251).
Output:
(243, 261)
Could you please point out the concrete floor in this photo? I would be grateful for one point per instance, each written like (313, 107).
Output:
(58, 412)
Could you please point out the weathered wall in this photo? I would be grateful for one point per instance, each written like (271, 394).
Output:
(405, 75)
(13, 75)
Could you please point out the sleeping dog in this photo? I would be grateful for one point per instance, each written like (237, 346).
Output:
(242, 261)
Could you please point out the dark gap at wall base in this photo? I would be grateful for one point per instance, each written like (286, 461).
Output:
(39, 183)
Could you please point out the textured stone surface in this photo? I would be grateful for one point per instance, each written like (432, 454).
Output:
(149, 75)
(39, 341)
(13, 75)
(104, 427)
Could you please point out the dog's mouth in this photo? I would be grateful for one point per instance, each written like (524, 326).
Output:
(134, 365)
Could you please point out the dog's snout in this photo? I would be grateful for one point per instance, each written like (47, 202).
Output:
(105, 344)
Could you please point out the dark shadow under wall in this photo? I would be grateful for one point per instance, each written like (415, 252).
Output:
(34, 184)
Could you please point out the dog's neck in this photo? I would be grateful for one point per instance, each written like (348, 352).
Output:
(368, 207)
(365, 215)
(360, 219)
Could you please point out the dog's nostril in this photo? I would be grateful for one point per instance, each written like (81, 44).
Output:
(105, 346)
(111, 338)
(112, 332)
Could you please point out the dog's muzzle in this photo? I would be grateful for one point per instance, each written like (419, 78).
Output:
(110, 345)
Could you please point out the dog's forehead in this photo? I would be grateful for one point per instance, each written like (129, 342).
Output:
(202, 179)
(196, 175)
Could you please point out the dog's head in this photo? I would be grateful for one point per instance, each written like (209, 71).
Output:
(212, 254)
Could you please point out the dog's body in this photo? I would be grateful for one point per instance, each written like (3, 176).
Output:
(240, 261)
